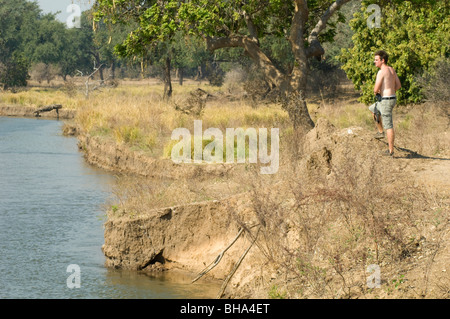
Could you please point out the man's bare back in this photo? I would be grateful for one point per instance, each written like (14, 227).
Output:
(387, 82)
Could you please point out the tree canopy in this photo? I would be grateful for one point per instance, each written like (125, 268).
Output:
(17, 20)
(242, 24)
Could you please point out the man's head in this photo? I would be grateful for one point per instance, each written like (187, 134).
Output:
(380, 58)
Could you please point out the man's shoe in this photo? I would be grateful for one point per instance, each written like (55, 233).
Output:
(387, 153)
(379, 135)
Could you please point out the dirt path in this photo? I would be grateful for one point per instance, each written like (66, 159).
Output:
(432, 172)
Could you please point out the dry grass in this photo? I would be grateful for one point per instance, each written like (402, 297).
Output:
(424, 128)
(322, 231)
(136, 114)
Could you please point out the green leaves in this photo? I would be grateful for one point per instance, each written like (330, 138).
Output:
(160, 20)
(413, 33)
(18, 22)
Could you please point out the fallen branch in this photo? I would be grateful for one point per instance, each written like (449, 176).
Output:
(49, 108)
(236, 266)
(218, 258)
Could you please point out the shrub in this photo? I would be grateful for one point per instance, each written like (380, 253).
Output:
(44, 72)
(435, 83)
(414, 36)
(234, 80)
(14, 73)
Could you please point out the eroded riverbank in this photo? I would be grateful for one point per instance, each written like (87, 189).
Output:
(29, 111)
(271, 235)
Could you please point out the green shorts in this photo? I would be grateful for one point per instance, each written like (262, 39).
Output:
(384, 108)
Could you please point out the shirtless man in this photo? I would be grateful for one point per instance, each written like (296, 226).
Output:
(386, 84)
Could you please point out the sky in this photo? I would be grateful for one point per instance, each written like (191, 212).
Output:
(52, 6)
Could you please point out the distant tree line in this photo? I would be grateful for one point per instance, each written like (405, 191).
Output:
(415, 33)
(34, 43)
(29, 37)
(139, 39)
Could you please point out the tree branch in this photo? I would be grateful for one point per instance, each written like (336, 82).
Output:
(297, 29)
(215, 43)
(252, 48)
(315, 48)
(251, 27)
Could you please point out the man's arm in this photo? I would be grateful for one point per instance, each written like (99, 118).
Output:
(398, 85)
(378, 83)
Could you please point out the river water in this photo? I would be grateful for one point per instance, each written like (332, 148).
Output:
(51, 217)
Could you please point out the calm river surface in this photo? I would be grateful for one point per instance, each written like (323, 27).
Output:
(52, 215)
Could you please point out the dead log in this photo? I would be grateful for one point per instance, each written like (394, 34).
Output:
(48, 108)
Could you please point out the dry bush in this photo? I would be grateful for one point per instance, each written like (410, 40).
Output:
(234, 81)
(47, 72)
(435, 83)
(195, 103)
(258, 89)
(322, 230)
(421, 128)
(70, 88)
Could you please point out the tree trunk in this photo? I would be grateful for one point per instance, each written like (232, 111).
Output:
(142, 69)
(100, 67)
(291, 87)
(199, 75)
(180, 76)
(295, 104)
(113, 70)
(167, 80)
(100, 72)
(294, 96)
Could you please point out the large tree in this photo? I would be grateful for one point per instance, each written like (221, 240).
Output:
(236, 23)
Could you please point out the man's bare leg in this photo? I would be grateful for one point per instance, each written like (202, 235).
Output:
(378, 123)
(390, 138)
(380, 126)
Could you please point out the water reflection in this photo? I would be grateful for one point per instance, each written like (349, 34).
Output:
(177, 284)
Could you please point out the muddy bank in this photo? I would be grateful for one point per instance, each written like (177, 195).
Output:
(29, 111)
(119, 158)
(188, 237)
(183, 237)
